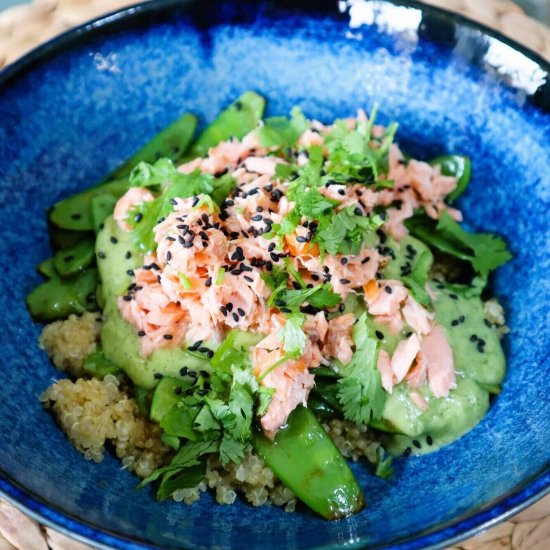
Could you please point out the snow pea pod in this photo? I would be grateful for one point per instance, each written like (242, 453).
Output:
(303, 456)
(101, 207)
(72, 260)
(458, 166)
(74, 212)
(47, 268)
(240, 118)
(57, 298)
(98, 366)
(172, 143)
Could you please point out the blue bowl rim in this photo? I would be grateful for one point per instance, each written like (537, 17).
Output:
(508, 505)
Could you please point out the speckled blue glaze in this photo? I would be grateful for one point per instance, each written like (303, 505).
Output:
(72, 111)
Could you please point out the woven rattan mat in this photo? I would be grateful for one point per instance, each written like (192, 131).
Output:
(25, 26)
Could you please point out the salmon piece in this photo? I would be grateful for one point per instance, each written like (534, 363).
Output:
(291, 380)
(420, 175)
(316, 327)
(339, 340)
(438, 357)
(389, 298)
(348, 272)
(417, 317)
(262, 165)
(309, 138)
(393, 322)
(416, 376)
(394, 225)
(132, 198)
(419, 401)
(403, 357)
(386, 373)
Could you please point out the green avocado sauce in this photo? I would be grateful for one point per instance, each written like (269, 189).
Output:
(478, 355)
(480, 366)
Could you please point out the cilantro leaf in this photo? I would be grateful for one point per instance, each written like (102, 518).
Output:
(280, 131)
(345, 231)
(484, 251)
(319, 296)
(360, 390)
(292, 336)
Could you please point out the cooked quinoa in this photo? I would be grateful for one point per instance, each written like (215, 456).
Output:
(69, 342)
(94, 413)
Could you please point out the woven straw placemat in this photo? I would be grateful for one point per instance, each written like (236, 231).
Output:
(25, 26)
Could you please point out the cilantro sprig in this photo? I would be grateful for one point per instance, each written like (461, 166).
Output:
(360, 391)
(484, 251)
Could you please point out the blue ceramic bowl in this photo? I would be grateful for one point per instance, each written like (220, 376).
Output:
(75, 108)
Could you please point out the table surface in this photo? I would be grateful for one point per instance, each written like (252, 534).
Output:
(23, 26)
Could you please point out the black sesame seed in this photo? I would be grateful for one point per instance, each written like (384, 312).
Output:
(286, 310)
(379, 335)
(341, 192)
(271, 247)
(429, 440)
(208, 282)
(223, 309)
(342, 308)
(407, 452)
(301, 239)
(416, 443)
(178, 390)
(130, 272)
(141, 333)
(229, 306)
(344, 260)
(388, 289)
(192, 374)
(453, 296)
(473, 338)
(168, 337)
(127, 298)
(365, 260)
(195, 201)
(183, 371)
(455, 322)
(158, 375)
(76, 216)
(101, 255)
(203, 349)
(168, 256)
(128, 255)
(280, 303)
(138, 217)
(314, 277)
(345, 281)
(256, 218)
(249, 279)
(235, 317)
(241, 312)
(274, 257)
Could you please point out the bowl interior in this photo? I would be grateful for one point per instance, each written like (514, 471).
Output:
(70, 119)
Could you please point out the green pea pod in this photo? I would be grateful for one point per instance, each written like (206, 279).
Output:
(240, 118)
(305, 459)
(172, 143)
(73, 260)
(58, 298)
(101, 207)
(166, 396)
(74, 212)
(47, 268)
(98, 366)
(458, 166)
(320, 408)
(65, 238)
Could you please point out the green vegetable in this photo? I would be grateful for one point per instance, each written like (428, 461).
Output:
(240, 118)
(360, 390)
(171, 143)
(65, 238)
(75, 213)
(47, 268)
(484, 251)
(73, 260)
(292, 336)
(167, 395)
(101, 207)
(304, 458)
(458, 166)
(234, 351)
(320, 408)
(279, 131)
(58, 298)
(98, 366)
(143, 399)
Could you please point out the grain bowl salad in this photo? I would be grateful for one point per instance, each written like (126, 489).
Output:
(244, 311)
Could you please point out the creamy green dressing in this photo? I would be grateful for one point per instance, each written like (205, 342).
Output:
(408, 430)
